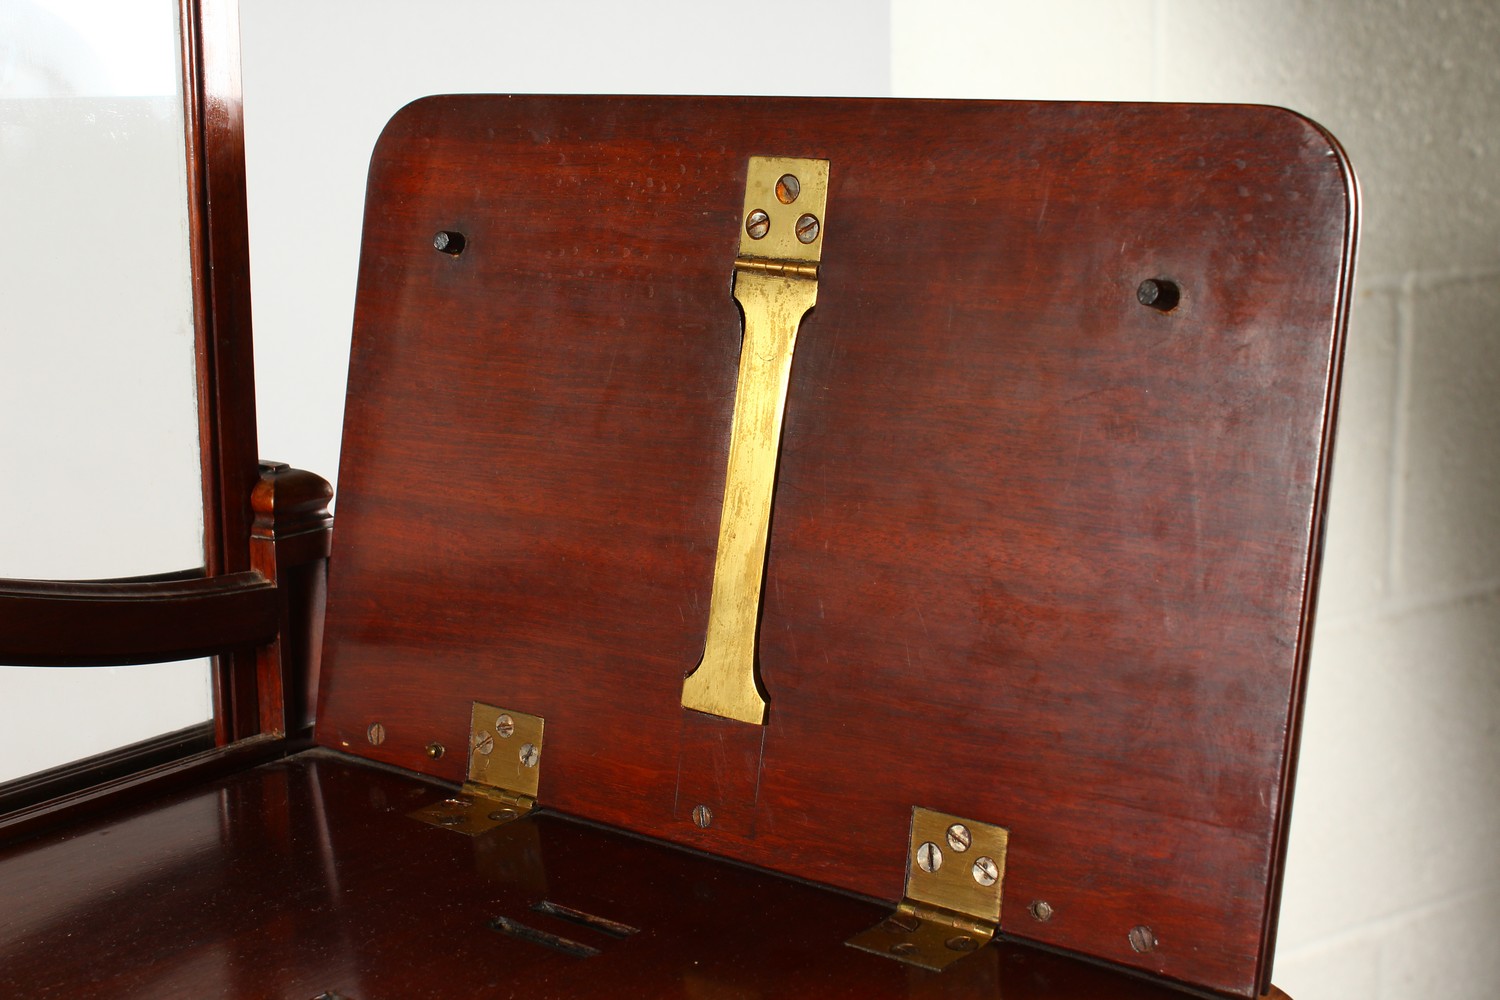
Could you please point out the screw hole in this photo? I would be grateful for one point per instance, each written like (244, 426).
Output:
(449, 242)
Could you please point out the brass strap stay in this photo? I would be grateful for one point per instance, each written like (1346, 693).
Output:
(776, 283)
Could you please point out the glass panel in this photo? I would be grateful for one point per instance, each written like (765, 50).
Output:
(98, 408)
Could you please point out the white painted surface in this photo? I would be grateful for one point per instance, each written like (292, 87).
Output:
(1393, 878)
(98, 412)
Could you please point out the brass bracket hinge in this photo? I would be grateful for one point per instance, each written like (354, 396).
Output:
(775, 283)
(955, 873)
(505, 752)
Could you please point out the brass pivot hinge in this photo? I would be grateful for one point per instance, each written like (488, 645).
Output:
(775, 283)
(955, 870)
(505, 751)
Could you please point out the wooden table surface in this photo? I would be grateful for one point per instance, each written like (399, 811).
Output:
(306, 876)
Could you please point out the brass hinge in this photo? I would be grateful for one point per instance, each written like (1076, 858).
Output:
(505, 751)
(776, 283)
(955, 872)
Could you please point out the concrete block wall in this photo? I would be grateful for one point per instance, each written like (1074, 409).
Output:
(1393, 879)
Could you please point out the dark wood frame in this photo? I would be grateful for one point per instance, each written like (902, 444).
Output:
(256, 602)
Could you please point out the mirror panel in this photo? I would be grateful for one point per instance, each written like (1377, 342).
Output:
(98, 381)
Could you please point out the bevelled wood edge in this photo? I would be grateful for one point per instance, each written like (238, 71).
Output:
(141, 786)
(219, 244)
(1317, 530)
(72, 624)
(80, 774)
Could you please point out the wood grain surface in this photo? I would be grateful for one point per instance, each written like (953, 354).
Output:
(306, 877)
(1041, 555)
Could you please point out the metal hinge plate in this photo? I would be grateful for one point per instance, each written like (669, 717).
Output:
(955, 873)
(505, 751)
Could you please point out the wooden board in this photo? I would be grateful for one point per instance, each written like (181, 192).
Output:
(1040, 556)
(306, 876)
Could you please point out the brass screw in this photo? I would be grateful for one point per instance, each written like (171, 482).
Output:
(788, 188)
(929, 857)
(903, 948)
(703, 816)
(807, 228)
(1142, 939)
(529, 755)
(505, 726)
(436, 750)
(503, 814)
(959, 837)
(961, 943)
(757, 224)
(484, 743)
(375, 734)
(449, 819)
(985, 871)
(1041, 910)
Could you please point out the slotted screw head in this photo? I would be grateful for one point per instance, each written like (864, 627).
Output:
(985, 871)
(375, 734)
(757, 224)
(903, 948)
(449, 819)
(929, 857)
(961, 943)
(505, 727)
(1041, 910)
(436, 750)
(529, 755)
(959, 837)
(807, 228)
(788, 188)
(703, 816)
(1142, 939)
(503, 814)
(484, 743)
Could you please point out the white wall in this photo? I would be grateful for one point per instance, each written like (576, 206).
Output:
(1393, 883)
(321, 80)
